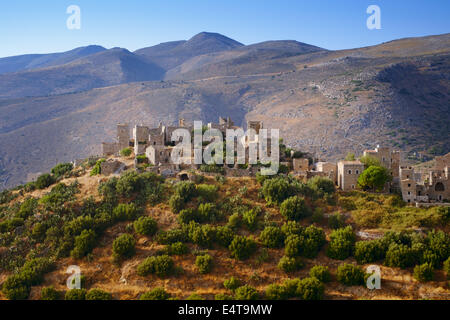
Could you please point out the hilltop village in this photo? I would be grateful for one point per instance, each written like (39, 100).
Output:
(152, 149)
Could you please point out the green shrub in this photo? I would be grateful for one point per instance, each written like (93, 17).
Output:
(295, 208)
(292, 246)
(207, 193)
(249, 218)
(155, 294)
(84, 243)
(176, 203)
(162, 266)
(350, 275)
(246, 293)
(289, 264)
(276, 190)
(125, 212)
(204, 263)
(32, 272)
(50, 293)
(222, 296)
(188, 215)
(97, 294)
(224, 236)
(208, 212)
(234, 221)
(322, 186)
(291, 228)
(178, 248)
(312, 240)
(272, 237)
(145, 226)
(126, 152)
(202, 235)
(310, 289)
(124, 246)
(317, 216)
(342, 242)
(44, 181)
(290, 287)
(242, 248)
(336, 221)
(186, 190)
(27, 208)
(320, 272)
(232, 283)
(195, 297)
(401, 256)
(172, 236)
(97, 168)
(62, 169)
(447, 267)
(369, 251)
(424, 272)
(75, 294)
(439, 243)
(15, 287)
(276, 292)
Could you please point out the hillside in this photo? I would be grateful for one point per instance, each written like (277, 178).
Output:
(326, 102)
(49, 222)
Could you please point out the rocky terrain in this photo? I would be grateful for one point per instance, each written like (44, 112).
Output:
(326, 102)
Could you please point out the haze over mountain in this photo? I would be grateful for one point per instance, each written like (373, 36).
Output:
(327, 102)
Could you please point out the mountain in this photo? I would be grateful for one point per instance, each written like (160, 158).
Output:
(33, 61)
(326, 102)
(172, 54)
(106, 68)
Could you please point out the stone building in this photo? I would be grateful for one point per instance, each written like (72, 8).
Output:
(300, 165)
(348, 173)
(328, 168)
(123, 141)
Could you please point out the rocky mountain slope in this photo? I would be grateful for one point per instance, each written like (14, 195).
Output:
(326, 102)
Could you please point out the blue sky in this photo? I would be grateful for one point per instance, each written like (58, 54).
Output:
(40, 26)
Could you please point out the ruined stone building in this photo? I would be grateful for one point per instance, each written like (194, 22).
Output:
(348, 173)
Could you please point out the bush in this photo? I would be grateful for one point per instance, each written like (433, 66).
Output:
(178, 248)
(84, 243)
(125, 212)
(293, 246)
(242, 248)
(369, 251)
(401, 256)
(155, 294)
(292, 228)
(320, 272)
(294, 208)
(272, 237)
(188, 215)
(76, 294)
(222, 296)
(204, 263)
(350, 275)
(97, 169)
(424, 272)
(27, 208)
(276, 292)
(312, 240)
(290, 287)
(172, 236)
(97, 294)
(123, 246)
(289, 264)
(310, 289)
(126, 152)
(249, 217)
(44, 181)
(224, 236)
(16, 288)
(439, 243)
(447, 267)
(176, 203)
(32, 272)
(61, 169)
(207, 193)
(232, 283)
(322, 186)
(50, 293)
(207, 212)
(246, 293)
(202, 235)
(145, 226)
(276, 190)
(195, 297)
(342, 243)
(234, 221)
(336, 221)
(186, 190)
(162, 266)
